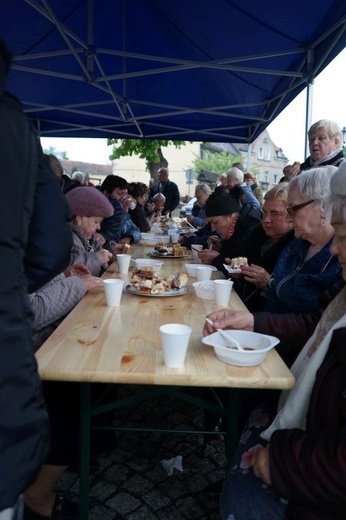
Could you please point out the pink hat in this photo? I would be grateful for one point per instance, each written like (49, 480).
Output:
(87, 201)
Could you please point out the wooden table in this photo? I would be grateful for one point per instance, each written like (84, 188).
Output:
(96, 343)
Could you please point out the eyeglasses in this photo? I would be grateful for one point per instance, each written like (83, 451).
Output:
(293, 209)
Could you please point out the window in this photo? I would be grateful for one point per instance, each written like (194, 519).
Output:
(265, 140)
(266, 177)
(275, 178)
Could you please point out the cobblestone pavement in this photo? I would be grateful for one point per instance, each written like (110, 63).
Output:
(131, 483)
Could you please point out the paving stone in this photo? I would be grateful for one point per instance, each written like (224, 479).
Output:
(131, 483)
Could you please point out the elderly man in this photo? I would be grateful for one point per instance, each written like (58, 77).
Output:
(235, 177)
(169, 189)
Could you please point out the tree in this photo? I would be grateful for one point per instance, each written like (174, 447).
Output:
(150, 150)
(215, 162)
(52, 150)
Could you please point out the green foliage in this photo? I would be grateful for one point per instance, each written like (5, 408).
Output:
(54, 151)
(215, 162)
(147, 149)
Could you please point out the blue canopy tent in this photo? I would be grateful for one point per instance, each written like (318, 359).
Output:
(199, 70)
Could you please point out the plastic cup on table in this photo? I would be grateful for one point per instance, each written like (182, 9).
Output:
(173, 235)
(203, 272)
(223, 289)
(175, 339)
(195, 248)
(123, 263)
(113, 291)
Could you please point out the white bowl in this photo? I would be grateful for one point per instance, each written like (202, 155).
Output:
(205, 289)
(149, 239)
(156, 264)
(191, 269)
(260, 343)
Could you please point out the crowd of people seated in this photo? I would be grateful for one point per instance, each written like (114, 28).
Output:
(291, 462)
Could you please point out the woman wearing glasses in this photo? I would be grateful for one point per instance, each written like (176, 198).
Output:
(306, 267)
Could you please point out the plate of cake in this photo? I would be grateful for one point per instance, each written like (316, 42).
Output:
(168, 251)
(144, 282)
(236, 263)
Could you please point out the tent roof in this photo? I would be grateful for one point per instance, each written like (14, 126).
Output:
(199, 70)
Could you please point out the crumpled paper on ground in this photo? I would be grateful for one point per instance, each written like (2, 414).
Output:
(169, 465)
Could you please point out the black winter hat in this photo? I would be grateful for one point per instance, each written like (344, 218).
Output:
(222, 203)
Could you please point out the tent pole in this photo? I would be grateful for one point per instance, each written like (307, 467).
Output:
(248, 166)
(308, 116)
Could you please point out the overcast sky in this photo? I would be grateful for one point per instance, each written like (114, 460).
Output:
(287, 131)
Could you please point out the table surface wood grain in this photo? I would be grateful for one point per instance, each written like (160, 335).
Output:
(96, 343)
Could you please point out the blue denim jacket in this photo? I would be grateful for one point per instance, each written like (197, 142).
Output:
(296, 284)
(129, 229)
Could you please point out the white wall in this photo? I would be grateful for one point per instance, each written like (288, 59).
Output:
(179, 160)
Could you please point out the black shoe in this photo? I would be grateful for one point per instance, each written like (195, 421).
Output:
(62, 510)
(214, 489)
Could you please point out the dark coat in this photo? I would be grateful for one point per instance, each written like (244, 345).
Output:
(260, 251)
(292, 329)
(171, 191)
(297, 283)
(308, 467)
(235, 246)
(34, 246)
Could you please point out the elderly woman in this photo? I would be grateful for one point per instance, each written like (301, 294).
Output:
(292, 464)
(88, 207)
(250, 180)
(233, 222)
(325, 144)
(263, 248)
(306, 267)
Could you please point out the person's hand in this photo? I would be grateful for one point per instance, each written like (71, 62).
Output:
(256, 275)
(125, 240)
(104, 256)
(78, 270)
(126, 202)
(207, 255)
(190, 218)
(150, 206)
(116, 248)
(100, 238)
(228, 319)
(155, 217)
(92, 282)
(260, 465)
(215, 242)
(291, 170)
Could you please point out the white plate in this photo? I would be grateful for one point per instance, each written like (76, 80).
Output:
(165, 255)
(230, 270)
(167, 294)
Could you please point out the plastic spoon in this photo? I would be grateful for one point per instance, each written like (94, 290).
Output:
(232, 342)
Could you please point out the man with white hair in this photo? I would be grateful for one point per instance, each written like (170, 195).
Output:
(235, 177)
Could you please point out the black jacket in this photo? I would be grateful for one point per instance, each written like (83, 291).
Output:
(235, 246)
(35, 242)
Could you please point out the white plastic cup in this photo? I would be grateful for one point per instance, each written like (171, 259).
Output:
(175, 339)
(194, 249)
(203, 272)
(223, 289)
(113, 291)
(173, 235)
(123, 263)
